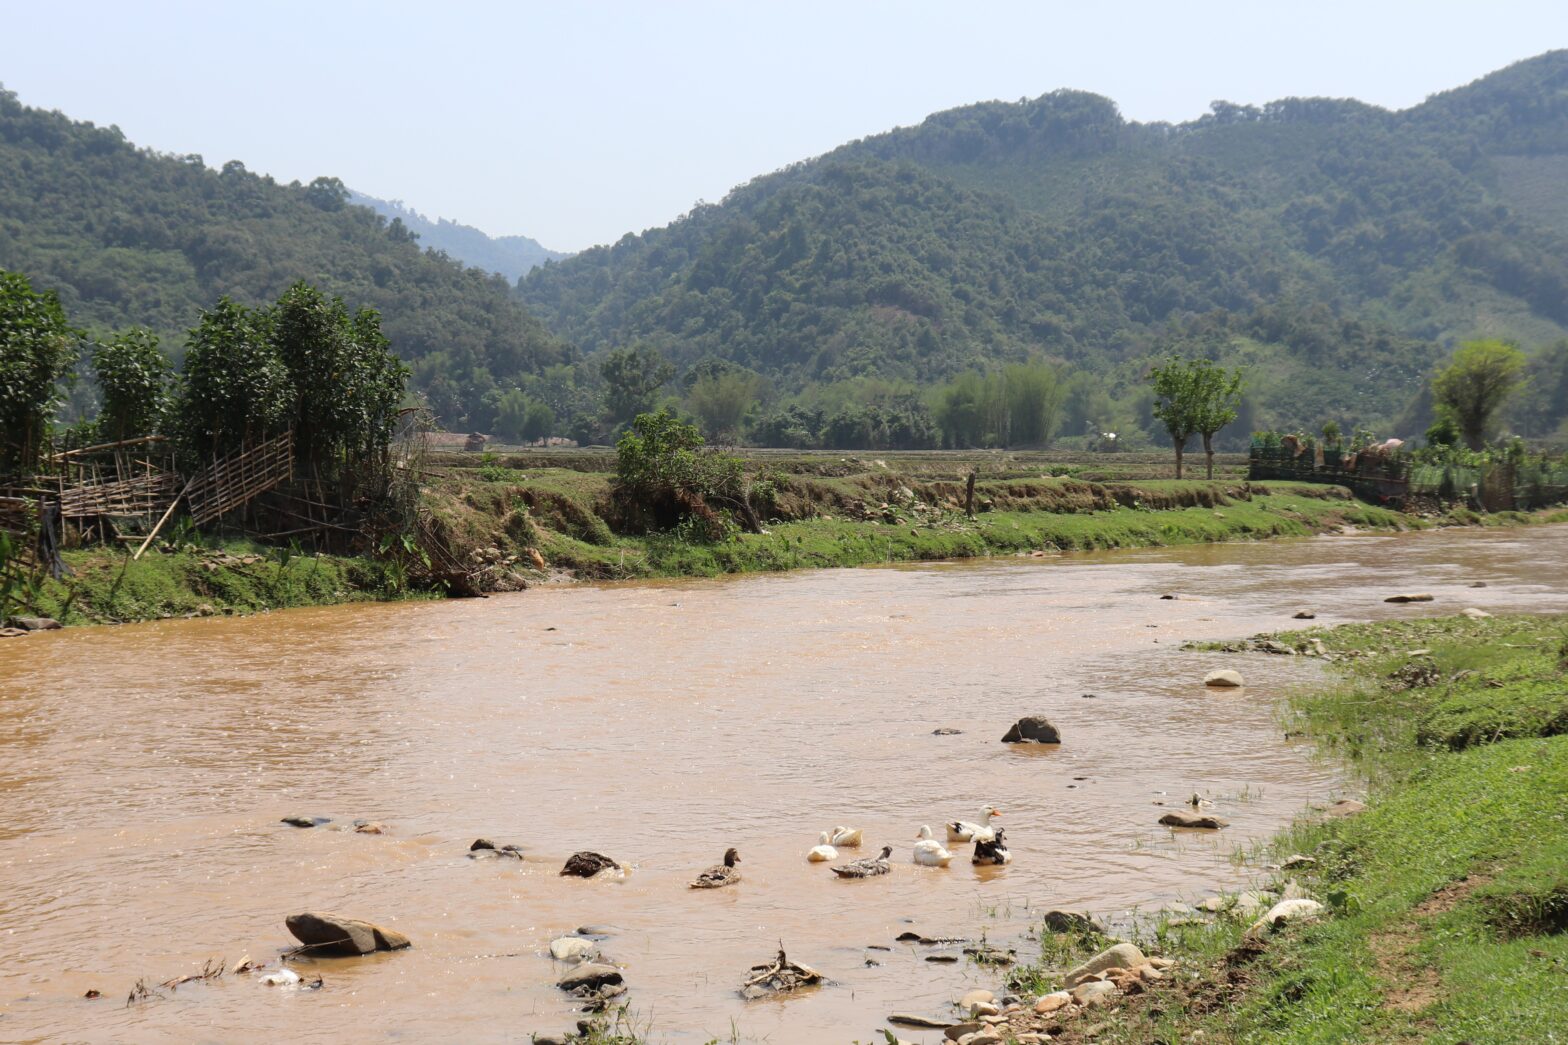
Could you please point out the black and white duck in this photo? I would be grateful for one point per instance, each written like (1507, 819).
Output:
(993, 851)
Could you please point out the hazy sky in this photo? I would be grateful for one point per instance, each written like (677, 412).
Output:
(576, 122)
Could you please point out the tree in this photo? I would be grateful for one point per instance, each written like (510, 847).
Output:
(1034, 404)
(665, 476)
(720, 402)
(135, 379)
(1482, 375)
(634, 376)
(1194, 396)
(234, 387)
(37, 348)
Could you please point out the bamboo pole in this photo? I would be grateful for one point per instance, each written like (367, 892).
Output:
(168, 512)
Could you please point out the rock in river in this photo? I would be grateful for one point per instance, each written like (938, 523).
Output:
(334, 934)
(306, 821)
(589, 976)
(573, 949)
(1409, 597)
(1226, 677)
(1196, 820)
(1033, 729)
(34, 623)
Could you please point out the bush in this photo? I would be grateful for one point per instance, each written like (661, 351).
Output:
(667, 479)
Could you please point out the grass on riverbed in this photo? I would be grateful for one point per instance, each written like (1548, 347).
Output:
(1449, 896)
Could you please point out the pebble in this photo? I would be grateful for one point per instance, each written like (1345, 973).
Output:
(1051, 1002)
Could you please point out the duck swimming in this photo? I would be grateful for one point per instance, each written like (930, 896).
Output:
(964, 831)
(722, 874)
(845, 837)
(823, 850)
(868, 868)
(586, 864)
(993, 851)
(929, 852)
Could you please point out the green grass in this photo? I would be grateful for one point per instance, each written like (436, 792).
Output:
(105, 586)
(1449, 895)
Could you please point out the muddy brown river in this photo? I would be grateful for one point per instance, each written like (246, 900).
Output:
(144, 769)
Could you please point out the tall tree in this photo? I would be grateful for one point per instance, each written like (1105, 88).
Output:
(1482, 375)
(135, 379)
(234, 386)
(37, 348)
(633, 376)
(721, 400)
(1219, 397)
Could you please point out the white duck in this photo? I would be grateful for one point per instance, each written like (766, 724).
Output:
(929, 852)
(845, 837)
(964, 831)
(822, 851)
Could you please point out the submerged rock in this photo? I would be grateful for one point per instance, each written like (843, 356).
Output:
(1202, 821)
(1304, 615)
(1033, 729)
(34, 623)
(369, 827)
(904, 1019)
(306, 821)
(946, 731)
(589, 976)
(334, 934)
(1072, 922)
(1410, 597)
(483, 849)
(1225, 678)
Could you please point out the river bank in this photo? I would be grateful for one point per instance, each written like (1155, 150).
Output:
(1437, 909)
(523, 527)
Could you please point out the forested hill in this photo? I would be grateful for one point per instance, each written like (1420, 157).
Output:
(509, 256)
(129, 236)
(1342, 246)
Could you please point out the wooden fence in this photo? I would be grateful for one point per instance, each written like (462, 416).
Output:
(232, 481)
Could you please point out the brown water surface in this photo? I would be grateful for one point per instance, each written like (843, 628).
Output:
(143, 771)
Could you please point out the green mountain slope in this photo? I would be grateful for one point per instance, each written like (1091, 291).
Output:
(509, 256)
(1339, 247)
(128, 236)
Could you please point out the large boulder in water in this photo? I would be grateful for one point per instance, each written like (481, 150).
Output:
(334, 934)
(1033, 729)
(590, 976)
(1201, 821)
(1223, 678)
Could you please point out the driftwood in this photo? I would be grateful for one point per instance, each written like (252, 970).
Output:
(780, 976)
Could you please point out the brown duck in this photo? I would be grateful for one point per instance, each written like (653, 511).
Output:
(868, 868)
(722, 874)
(586, 864)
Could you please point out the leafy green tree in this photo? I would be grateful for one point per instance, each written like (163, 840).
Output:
(1481, 377)
(1191, 397)
(37, 348)
(135, 380)
(666, 477)
(721, 401)
(538, 421)
(633, 376)
(234, 387)
(1034, 404)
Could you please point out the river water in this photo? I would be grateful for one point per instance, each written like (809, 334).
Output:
(144, 769)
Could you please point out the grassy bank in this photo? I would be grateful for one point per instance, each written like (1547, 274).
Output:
(1446, 899)
(229, 577)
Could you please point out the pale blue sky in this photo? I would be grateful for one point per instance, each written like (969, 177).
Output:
(575, 123)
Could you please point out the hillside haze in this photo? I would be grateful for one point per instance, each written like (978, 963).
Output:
(1340, 247)
(509, 256)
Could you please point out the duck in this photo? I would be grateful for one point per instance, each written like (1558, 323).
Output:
(721, 874)
(964, 831)
(1197, 801)
(868, 868)
(845, 837)
(992, 851)
(586, 864)
(823, 851)
(929, 852)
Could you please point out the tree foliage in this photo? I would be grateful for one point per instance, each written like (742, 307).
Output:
(633, 377)
(135, 382)
(234, 386)
(1194, 397)
(666, 477)
(37, 348)
(1475, 384)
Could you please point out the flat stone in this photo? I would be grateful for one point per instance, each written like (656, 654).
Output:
(946, 731)
(1201, 821)
(573, 949)
(306, 821)
(957, 1031)
(1475, 614)
(1296, 860)
(589, 976)
(1223, 679)
(1297, 910)
(1095, 992)
(1410, 597)
(904, 1019)
(334, 934)
(1344, 807)
(1051, 1002)
(34, 623)
(974, 998)
(1072, 922)
(986, 1011)
(1121, 956)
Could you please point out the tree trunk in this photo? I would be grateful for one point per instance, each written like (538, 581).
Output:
(1208, 452)
(1180, 444)
(969, 495)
